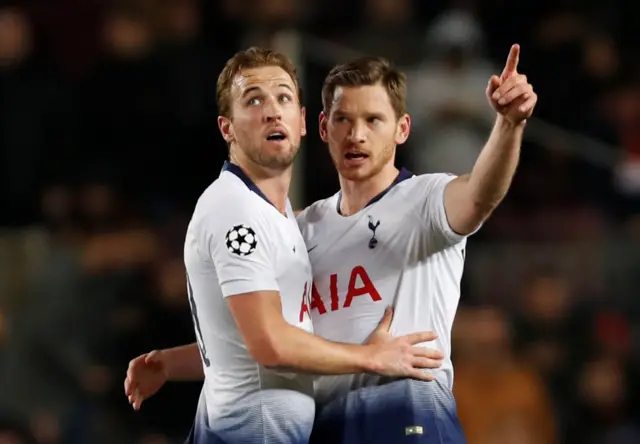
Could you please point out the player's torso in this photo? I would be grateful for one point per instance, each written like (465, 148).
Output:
(379, 257)
(231, 373)
(356, 261)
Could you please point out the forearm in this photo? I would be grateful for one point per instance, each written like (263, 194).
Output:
(493, 172)
(183, 363)
(274, 343)
(470, 199)
(302, 351)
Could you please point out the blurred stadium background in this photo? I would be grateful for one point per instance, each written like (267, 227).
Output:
(108, 135)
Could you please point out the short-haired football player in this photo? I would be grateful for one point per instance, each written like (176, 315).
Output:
(389, 237)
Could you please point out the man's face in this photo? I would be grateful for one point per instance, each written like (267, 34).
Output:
(362, 131)
(267, 120)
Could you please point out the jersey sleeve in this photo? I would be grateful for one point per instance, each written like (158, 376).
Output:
(430, 194)
(238, 244)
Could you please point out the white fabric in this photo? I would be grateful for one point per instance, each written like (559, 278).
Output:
(219, 266)
(415, 266)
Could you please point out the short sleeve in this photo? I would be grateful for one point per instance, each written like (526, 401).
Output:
(238, 244)
(430, 189)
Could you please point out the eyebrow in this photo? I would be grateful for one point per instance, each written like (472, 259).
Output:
(256, 88)
(342, 113)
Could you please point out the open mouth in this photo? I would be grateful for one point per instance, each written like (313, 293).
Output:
(355, 156)
(276, 136)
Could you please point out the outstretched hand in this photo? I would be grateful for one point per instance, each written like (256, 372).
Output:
(510, 94)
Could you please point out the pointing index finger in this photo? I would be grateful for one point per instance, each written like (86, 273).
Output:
(512, 61)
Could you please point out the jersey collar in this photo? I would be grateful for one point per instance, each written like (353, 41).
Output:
(240, 174)
(403, 175)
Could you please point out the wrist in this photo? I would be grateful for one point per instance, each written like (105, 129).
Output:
(504, 124)
(366, 361)
(164, 362)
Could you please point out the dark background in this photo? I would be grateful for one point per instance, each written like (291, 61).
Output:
(108, 135)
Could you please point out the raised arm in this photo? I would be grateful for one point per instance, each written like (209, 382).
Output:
(470, 199)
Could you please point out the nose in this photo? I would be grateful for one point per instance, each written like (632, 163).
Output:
(272, 111)
(358, 133)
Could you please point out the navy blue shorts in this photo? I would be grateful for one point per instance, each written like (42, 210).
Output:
(403, 411)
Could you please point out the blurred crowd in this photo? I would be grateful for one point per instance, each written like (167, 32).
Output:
(108, 135)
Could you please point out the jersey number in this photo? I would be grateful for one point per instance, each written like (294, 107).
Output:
(196, 323)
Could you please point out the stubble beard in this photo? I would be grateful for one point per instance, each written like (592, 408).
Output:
(279, 161)
(378, 164)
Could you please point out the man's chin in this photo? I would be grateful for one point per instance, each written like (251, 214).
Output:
(280, 159)
(355, 174)
(279, 162)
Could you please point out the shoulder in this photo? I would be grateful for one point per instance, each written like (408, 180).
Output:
(428, 181)
(311, 218)
(225, 205)
(317, 210)
(418, 189)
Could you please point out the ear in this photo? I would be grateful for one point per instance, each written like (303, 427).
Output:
(403, 129)
(323, 121)
(303, 125)
(226, 129)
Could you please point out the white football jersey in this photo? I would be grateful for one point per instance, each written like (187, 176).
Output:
(398, 251)
(238, 242)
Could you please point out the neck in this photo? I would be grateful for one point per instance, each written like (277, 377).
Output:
(274, 183)
(356, 194)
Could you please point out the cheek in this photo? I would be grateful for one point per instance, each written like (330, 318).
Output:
(295, 122)
(294, 117)
(384, 139)
(335, 136)
(245, 126)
